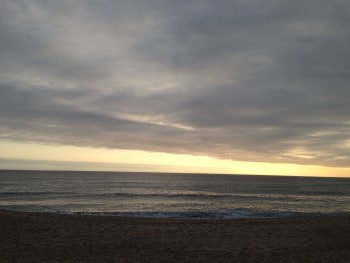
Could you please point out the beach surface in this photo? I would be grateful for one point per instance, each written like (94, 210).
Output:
(45, 237)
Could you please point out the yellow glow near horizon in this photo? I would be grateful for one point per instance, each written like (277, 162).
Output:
(158, 161)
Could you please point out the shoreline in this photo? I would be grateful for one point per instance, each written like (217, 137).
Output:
(50, 237)
(194, 215)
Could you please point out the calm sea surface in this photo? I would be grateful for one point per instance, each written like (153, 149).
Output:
(172, 195)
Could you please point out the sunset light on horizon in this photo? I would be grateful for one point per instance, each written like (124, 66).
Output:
(53, 157)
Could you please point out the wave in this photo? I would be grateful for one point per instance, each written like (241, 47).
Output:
(199, 196)
(210, 215)
(129, 195)
(188, 195)
(171, 195)
(31, 208)
(19, 194)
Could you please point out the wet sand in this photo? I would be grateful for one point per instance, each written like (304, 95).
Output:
(41, 237)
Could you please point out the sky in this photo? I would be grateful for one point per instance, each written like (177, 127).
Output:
(240, 86)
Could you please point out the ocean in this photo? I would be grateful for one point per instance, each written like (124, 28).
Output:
(173, 195)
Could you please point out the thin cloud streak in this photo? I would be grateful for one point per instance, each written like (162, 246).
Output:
(226, 79)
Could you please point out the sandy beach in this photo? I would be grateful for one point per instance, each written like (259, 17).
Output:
(43, 237)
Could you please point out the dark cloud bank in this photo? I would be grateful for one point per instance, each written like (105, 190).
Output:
(242, 80)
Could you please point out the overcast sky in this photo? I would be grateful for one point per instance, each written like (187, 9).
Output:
(242, 79)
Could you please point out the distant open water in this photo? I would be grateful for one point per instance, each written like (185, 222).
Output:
(173, 195)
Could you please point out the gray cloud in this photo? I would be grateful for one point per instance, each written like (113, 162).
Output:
(229, 79)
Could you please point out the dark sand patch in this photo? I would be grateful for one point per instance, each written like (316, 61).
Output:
(41, 237)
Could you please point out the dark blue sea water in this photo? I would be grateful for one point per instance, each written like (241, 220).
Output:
(173, 195)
